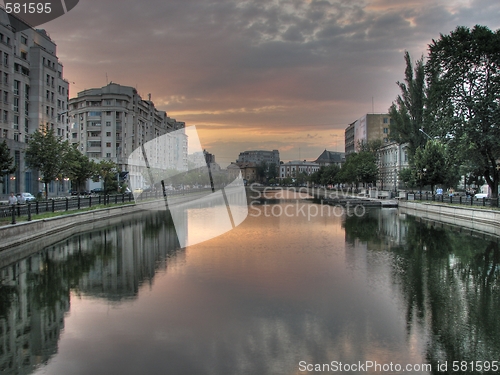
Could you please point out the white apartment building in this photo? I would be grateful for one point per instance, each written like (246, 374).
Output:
(392, 158)
(293, 168)
(113, 121)
(33, 94)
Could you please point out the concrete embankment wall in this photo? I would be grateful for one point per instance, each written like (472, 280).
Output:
(51, 230)
(480, 220)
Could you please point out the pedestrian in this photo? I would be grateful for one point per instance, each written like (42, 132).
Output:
(12, 199)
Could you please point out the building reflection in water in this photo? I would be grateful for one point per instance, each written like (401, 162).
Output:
(111, 263)
(450, 282)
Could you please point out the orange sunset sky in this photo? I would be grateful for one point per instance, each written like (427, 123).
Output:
(261, 74)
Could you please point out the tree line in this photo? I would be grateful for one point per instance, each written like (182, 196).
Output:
(56, 160)
(448, 112)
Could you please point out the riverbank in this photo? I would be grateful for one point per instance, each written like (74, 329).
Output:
(476, 219)
(53, 229)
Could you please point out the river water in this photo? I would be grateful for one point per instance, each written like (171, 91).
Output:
(280, 294)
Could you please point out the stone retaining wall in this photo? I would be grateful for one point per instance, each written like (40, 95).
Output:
(481, 220)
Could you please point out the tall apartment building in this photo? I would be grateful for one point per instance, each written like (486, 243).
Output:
(367, 128)
(259, 156)
(33, 94)
(112, 121)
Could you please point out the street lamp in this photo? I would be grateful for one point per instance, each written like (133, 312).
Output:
(428, 136)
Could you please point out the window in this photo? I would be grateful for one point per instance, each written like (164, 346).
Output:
(16, 122)
(26, 92)
(16, 137)
(16, 104)
(16, 87)
(6, 59)
(108, 154)
(95, 113)
(5, 116)
(108, 123)
(24, 55)
(108, 113)
(75, 135)
(48, 79)
(386, 130)
(108, 134)
(108, 144)
(26, 108)
(5, 78)
(386, 120)
(5, 97)
(24, 40)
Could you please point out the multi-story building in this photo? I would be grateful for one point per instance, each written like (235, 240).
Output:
(113, 121)
(259, 156)
(392, 158)
(368, 128)
(293, 168)
(33, 94)
(330, 157)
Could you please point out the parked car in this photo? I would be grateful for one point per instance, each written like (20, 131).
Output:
(23, 198)
(97, 191)
(83, 192)
(481, 196)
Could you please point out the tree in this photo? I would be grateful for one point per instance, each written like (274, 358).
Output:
(434, 165)
(107, 170)
(79, 167)
(7, 165)
(46, 153)
(359, 168)
(464, 82)
(407, 176)
(407, 113)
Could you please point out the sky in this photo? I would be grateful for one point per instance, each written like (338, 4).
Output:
(258, 74)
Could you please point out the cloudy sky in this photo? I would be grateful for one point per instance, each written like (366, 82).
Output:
(258, 74)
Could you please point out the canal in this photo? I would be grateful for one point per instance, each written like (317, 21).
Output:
(283, 293)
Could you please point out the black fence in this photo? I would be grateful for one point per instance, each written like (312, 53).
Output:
(454, 199)
(80, 202)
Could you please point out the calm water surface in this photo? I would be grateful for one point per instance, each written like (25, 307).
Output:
(273, 296)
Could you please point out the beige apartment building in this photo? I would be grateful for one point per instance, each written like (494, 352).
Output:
(112, 121)
(367, 128)
(33, 94)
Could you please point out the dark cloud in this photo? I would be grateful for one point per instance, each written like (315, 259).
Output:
(257, 63)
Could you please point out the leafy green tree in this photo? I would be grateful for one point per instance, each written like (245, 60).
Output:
(407, 113)
(464, 81)
(408, 177)
(7, 165)
(78, 167)
(359, 168)
(46, 153)
(434, 166)
(107, 170)
(330, 175)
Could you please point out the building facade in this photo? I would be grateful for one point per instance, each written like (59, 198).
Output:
(259, 156)
(392, 158)
(330, 157)
(111, 122)
(293, 168)
(33, 95)
(368, 128)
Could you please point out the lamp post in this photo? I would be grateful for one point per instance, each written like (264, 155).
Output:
(428, 136)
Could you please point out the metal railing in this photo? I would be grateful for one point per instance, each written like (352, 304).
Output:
(453, 199)
(81, 202)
